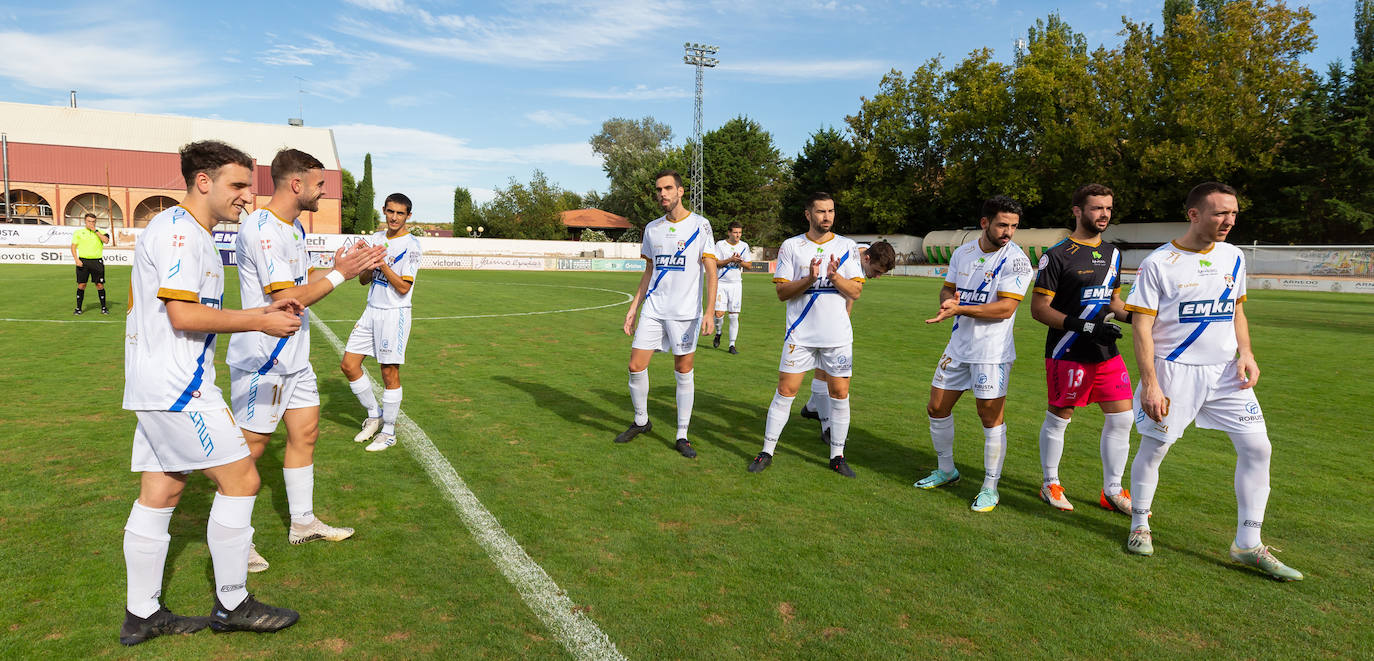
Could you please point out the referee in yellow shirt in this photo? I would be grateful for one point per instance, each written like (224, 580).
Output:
(88, 249)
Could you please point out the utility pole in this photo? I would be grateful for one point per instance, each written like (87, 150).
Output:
(699, 56)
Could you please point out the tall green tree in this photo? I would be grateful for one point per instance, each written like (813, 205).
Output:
(464, 213)
(631, 151)
(529, 211)
(743, 178)
(348, 201)
(365, 214)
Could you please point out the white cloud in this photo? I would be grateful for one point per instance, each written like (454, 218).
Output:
(427, 165)
(537, 32)
(97, 60)
(792, 70)
(556, 119)
(361, 69)
(637, 93)
(161, 105)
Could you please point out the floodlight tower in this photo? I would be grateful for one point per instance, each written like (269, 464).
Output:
(699, 56)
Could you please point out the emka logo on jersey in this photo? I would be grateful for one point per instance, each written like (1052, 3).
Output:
(972, 297)
(1197, 312)
(1095, 294)
(670, 262)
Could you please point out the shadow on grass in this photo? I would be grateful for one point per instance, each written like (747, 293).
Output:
(567, 405)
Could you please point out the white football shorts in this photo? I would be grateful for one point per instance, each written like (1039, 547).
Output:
(176, 441)
(260, 400)
(729, 295)
(986, 380)
(381, 333)
(678, 336)
(1207, 395)
(836, 361)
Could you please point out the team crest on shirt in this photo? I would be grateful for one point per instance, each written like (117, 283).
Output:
(1044, 261)
(1230, 281)
(681, 245)
(988, 276)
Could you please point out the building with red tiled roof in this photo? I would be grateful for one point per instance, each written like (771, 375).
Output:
(577, 220)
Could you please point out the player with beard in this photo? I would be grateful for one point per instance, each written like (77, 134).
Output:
(1078, 286)
(987, 279)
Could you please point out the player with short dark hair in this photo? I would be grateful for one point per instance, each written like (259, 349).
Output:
(1192, 347)
(271, 379)
(986, 281)
(818, 274)
(383, 331)
(175, 296)
(677, 249)
(88, 251)
(731, 255)
(1078, 287)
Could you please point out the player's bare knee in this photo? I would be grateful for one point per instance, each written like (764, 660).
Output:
(838, 388)
(391, 376)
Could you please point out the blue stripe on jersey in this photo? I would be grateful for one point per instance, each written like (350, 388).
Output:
(663, 272)
(196, 378)
(816, 293)
(1203, 326)
(1088, 312)
(980, 288)
(281, 344)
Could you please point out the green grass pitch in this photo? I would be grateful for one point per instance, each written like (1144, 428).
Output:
(674, 558)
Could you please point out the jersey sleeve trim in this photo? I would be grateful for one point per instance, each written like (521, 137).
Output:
(1241, 299)
(1011, 295)
(781, 280)
(859, 280)
(950, 285)
(1042, 290)
(1137, 308)
(178, 295)
(408, 278)
(707, 255)
(276, 286)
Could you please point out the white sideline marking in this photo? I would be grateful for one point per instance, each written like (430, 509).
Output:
(577, 632)
(67, 321)
(628, 298)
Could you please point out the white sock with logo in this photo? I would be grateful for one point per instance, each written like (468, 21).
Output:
(300, 493)
(1252, 485)
(1052, 446)
(994, 453)
(839, 425)
(229, 535)
(1116, 447)
(639, 396)
(778, 411)
(942, 437)
(145, 556)
(391, 409)
(362, 389)
(1145, 479)
(686, 395)
(734, 327)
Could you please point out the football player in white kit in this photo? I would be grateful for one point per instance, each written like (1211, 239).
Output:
(175, 296)
(271, 380)
(1192, 347)
(987, 279)
(384, 329)
(817, 274)
(678, 249)
(731, 254)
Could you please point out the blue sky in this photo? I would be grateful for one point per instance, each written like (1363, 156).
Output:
(474, 93)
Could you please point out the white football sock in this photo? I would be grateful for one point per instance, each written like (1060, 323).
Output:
(1252, 485)
(820, 401)
(362, 389)
(1116, 447)
(686, 394)
(145, 555)
(1052, 446)
(229, 534)
(639, 396)
(734, 327)
(942, 437)
(839, 425)
(300, 493)
(776, 420)
(1145, 479)
(994, 453)
(391, 409)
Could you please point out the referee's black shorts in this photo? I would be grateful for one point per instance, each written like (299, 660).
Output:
(91, 269)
